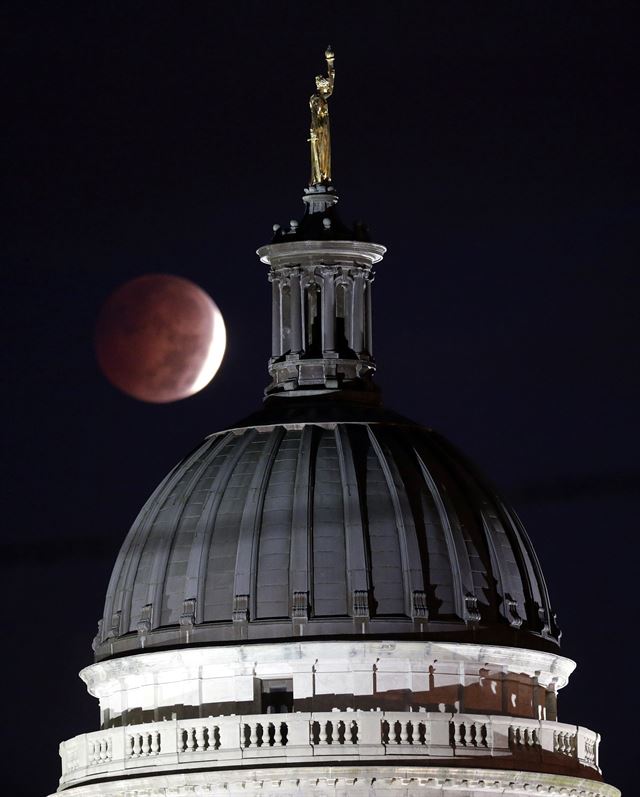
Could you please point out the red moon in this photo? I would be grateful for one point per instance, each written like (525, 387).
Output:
(160, 338)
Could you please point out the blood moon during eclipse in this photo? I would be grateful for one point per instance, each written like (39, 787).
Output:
(160, 338)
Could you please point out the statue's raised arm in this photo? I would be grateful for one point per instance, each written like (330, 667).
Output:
(331, 70)
(319, 136)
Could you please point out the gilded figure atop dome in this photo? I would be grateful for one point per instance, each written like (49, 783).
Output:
(319, 134)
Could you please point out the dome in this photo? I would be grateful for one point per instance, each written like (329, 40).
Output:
(325, 519)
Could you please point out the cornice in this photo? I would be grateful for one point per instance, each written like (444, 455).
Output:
(340, 781)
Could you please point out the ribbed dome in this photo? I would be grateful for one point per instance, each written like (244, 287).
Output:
(325, 521)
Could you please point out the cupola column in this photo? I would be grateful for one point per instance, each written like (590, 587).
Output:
(328, 311)
(357, 313)
(276, 315)
(368, 285)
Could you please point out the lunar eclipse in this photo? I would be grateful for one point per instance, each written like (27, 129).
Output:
(160, 338)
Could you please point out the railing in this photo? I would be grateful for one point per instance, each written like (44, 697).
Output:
(241, 741)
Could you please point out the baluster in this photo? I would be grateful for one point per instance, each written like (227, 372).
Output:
(253, 735)
(155, 743)
(423, 733)
(200, 737)
(463, 734)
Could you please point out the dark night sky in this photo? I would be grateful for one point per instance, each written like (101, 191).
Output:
(493, 147)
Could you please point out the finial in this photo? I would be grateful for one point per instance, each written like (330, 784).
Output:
(319, 135)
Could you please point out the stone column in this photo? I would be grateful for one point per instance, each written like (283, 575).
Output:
(368, 314)
(276, 319)
(328, 310)
(357, 318)
(296, 312)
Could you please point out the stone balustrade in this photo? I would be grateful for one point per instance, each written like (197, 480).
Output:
(236, 741)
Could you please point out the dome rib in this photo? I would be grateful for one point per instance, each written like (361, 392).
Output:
(196, 576)
(117, 614)
(272, 551)
(302, 503)
(520, 544)
(329, 571)
(456, 556)
(452, 548)
(358, 561)
(467, 495)
(245, 580)
(171, 528)
(436, 466)
(548, 622)
(410, 581)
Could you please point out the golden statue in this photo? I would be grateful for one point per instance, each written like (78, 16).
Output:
(320, 137)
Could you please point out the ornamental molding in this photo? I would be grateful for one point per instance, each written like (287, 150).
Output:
(316, 253)
(341, 781)
(101, 678)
